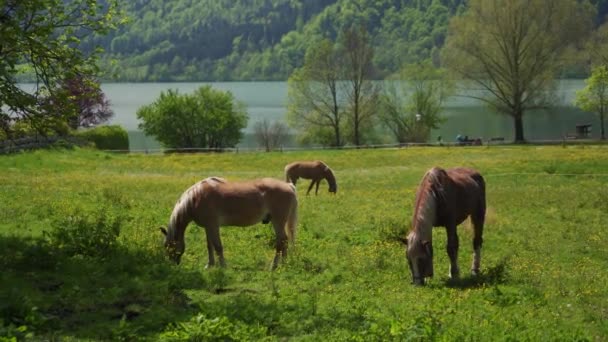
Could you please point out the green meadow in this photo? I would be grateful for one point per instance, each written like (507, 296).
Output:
(81, 254)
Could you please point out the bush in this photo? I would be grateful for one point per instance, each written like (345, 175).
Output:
(202, 328)
(89, 234)
(111, 137)
(207, 118)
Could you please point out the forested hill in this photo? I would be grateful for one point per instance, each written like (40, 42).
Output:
(205, 40)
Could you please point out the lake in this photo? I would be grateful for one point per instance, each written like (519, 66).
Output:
(464, 115)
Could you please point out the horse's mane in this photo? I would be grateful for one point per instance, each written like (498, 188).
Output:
(429, 197)
(182, 211)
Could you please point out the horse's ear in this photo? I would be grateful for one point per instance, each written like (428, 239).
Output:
(163, 230)
(428, 247)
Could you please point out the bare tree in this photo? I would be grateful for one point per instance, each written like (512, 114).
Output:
(271, 136)
(412, 101)
(361, 92)
(314, 102)
(513, 50)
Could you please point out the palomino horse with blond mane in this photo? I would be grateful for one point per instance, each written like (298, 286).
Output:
(315, 170)
(215, 202)
(445, 198)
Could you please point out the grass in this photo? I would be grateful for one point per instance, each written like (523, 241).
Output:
(66, 275)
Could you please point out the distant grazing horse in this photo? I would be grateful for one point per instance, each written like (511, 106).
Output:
(445, 198)
(315, 170)
(215, 202)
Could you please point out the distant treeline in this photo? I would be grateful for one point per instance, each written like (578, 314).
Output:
(210, 40)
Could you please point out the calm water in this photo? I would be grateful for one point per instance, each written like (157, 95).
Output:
(463, 115)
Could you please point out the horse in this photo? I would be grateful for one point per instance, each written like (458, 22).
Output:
(315, 170)
(214, 202)
(445, 198)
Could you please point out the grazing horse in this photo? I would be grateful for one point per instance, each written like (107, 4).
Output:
(315, 170)
(215, 202)
(445, 198)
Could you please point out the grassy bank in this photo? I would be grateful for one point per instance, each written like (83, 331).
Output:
(81, 259)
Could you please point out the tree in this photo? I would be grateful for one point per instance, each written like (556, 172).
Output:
(362, 94)
(39, 39)
(594, 97)
(597, 46)
(315, 103)
(512, 49)
(88, 103)
(207, 118)
(412, 101)
(271, 136)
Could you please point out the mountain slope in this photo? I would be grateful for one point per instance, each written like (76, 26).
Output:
(208, 40)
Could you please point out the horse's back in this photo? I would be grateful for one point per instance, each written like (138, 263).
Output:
(306, 169)
(243, 203)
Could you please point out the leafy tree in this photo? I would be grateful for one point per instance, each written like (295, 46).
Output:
(86, 100)
(207, 118)
(412, 101)
(512, 49)
(361, 92)
(315, 102)
(271, 136)
(41, 39)
(594, 97)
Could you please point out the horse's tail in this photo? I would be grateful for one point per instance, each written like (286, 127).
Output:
(292, 219)
(481, 211)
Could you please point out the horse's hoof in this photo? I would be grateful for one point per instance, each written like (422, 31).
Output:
(475, 273)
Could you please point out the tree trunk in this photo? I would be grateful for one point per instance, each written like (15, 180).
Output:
(519, 128)
(602, 135)
(337, 133)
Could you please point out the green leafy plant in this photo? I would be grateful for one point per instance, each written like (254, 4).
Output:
(112, 137)
(93, 234)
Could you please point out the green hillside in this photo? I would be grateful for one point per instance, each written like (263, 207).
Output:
(207, 40)
(263, 39)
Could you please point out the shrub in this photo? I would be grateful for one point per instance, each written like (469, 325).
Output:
(202, 328)
(207, 118)
(89, 234)
(111, 137)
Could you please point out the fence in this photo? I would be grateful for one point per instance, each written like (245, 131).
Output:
(32, 143)
(486, 144)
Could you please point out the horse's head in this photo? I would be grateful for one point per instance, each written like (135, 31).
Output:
(331, 180)
(174, 247)
(419, 254)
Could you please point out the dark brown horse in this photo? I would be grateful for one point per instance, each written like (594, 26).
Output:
(315, 170)
(445, 198)
(215, 202)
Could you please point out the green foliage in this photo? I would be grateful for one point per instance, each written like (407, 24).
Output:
(110, 137)
(202, 328)
(47, 51)
(594, 97)
(93, 234)
(265, 40)
(206, 118)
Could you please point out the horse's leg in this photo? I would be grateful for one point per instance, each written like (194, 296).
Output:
(452, 248)
(317, 188)
(217, 243)
(210, 250)
(478, 221)
(310, 186)
(281, 239)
